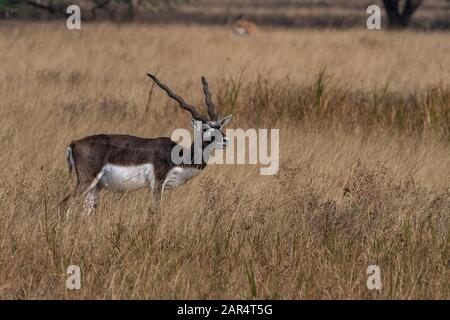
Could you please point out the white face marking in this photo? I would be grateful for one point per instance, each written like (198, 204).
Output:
(213, 129)
(128, 178)
(210, 132)
(178, 176)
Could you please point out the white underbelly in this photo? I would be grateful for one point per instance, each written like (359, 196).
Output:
(179, 175)
(127, 178)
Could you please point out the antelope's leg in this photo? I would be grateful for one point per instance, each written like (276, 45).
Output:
(156, 191)
(155, 205)
(91, 194)
(163, 187)
(90, 200)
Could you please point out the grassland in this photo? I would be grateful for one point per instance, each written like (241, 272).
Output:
(364, 175)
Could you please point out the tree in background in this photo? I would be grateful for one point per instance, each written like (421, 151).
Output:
(10, 8)
(399, 12)
(113, 9)
(127, 9)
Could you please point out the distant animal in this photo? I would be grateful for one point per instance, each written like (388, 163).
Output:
(243, 27)
(122, 163)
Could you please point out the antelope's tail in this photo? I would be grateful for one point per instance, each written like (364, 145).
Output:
(69, 158)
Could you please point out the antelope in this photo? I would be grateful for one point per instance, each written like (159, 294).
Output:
(243, 27)
(123, 163)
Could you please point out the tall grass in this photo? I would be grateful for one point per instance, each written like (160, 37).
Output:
(328, 103)
(363, 178)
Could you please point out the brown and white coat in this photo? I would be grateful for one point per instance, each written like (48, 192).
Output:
(122, 163)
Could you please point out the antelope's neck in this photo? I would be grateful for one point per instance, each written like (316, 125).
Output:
(191, 151)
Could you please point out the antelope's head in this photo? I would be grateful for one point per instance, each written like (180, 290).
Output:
(211, 126)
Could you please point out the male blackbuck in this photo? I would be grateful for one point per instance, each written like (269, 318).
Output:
(122, 163)
(243, 27)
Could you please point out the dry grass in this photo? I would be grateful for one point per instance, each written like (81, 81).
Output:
(364, 174)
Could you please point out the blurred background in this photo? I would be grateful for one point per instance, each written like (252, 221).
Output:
(429, 14)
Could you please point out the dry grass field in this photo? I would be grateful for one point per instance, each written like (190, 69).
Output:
(364, 176)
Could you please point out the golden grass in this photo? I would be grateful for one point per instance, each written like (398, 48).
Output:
(354, 188)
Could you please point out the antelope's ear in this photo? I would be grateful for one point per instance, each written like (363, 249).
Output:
(224, 121)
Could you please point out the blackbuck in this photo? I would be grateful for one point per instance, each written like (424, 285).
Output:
(122, 163)
(243, 27)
